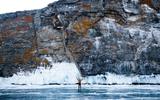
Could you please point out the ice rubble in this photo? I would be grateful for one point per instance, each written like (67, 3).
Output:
(67, 73)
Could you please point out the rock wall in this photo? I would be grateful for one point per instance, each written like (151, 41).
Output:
(17, 41)
(118, 36)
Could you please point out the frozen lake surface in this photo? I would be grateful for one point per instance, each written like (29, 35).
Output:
(88, 92)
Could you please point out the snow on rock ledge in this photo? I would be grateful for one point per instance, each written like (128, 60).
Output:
(67, 73)
(60, 73)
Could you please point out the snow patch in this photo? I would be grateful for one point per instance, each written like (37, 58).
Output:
(108, 25)
(133, 18)
(122, 79)
(60, 73)
(147, 9)
(67, 73)
(97, 42)
(131, 6)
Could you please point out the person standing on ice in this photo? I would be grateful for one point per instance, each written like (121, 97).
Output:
(79, 83)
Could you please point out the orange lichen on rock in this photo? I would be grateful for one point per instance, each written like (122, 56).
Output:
(22, 28)
(82, 26)
(28, 19)
(45, 61)
(86, 6)
(44, 51)
(28, 55)
(18, 59)
(148, 2)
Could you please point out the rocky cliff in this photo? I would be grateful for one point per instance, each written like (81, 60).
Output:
(118, 36)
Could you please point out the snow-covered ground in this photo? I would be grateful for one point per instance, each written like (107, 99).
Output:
(67, 73)
(61, 73)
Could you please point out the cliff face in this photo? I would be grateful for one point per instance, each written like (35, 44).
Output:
(17, 41)
(119, 36)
